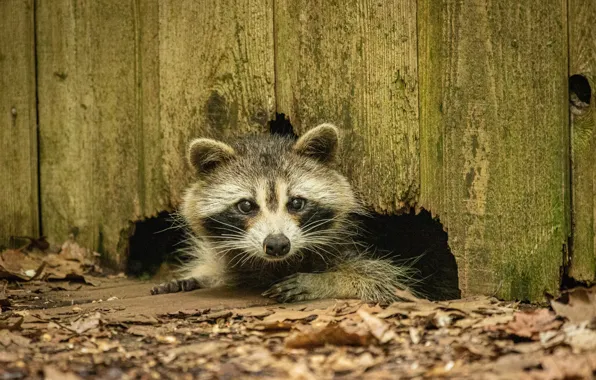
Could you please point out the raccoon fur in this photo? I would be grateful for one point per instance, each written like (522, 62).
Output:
(271, 212)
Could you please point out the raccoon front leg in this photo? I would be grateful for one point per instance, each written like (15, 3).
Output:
(185, 285)
(205, 272)
(367, 279)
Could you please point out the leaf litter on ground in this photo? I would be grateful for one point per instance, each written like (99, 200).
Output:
(475, 338)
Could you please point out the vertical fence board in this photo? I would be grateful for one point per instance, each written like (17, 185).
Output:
(495, 139)
(18, 129)
(123, 88)
(353, 63)
(89, 124)
(216, 75)
(582, 61)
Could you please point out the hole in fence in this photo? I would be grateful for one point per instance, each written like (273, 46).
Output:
(156, 243)
(420, 239)
(153, 246)
(281, 126)
(580, 92)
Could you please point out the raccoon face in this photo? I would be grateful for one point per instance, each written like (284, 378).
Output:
(270, 197)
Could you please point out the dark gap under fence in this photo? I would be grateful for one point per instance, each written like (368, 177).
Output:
(155, 249)
(156, 243)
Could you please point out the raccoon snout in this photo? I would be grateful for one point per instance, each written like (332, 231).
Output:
(276, 245)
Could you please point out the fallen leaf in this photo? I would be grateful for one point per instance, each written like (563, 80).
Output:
(576, 305)
(493, 320)
(86, 323)
(480, 350)
(341, 334)
(300, 371)
(7, 338)
(290, 315)
(529, 324)
(8, 357)
(198, 349)
(410, 309)
(214, 315)
(258, 312)
(71, 250)
(53, 373)
(560, 367)
(141, 330)
(414, 335)
(378, 328)
(127, 318)
(167, 339)
(580, 336)
(11, 322)
(15, 264)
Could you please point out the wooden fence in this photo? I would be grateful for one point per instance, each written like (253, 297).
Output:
(457, 107)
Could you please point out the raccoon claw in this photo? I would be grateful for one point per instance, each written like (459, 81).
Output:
(174, 286)
(290, 289)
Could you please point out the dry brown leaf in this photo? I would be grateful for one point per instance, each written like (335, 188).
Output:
(529, 324)
(52, 373)
(477, 304)
(576, 305)
(71, 250)
(408, 309)
(270, 326)
(15, 264)
(86, 323)
(378, 328)
(562, 367)
(258, 312)
(8, 357)
(580, 337)
(443, 369)
(341, 334)
(141, 330)
(493, 320)
(200, 349)
(11, 322)
(300, 371)
(480, 350)
(8, 337)
(127, 318)
(290, 315)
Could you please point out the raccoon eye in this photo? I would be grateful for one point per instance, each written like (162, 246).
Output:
(296, 204)
(245, 206)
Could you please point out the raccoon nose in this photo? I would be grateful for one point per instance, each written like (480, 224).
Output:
(277, 245)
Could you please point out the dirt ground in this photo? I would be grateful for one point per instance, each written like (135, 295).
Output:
(62, 319)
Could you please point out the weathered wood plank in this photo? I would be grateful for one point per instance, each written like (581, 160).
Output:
(495, 139)
(89, 127)
(582, 61)
(123, 87)
(353, 63)
(18, 122)
(216, 75)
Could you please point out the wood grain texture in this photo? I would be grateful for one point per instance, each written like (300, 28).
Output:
(216, 75)
(353, 63)
(495, 139)
(123, 88)
(18, 122)
(582, 61)
(89, 127)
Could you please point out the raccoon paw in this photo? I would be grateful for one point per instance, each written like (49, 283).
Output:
(294, 288)
(174, 286)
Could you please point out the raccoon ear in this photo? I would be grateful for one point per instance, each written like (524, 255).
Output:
(319, 143)
(204, 155)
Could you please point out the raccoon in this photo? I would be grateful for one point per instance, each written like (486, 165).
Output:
(271, 212)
